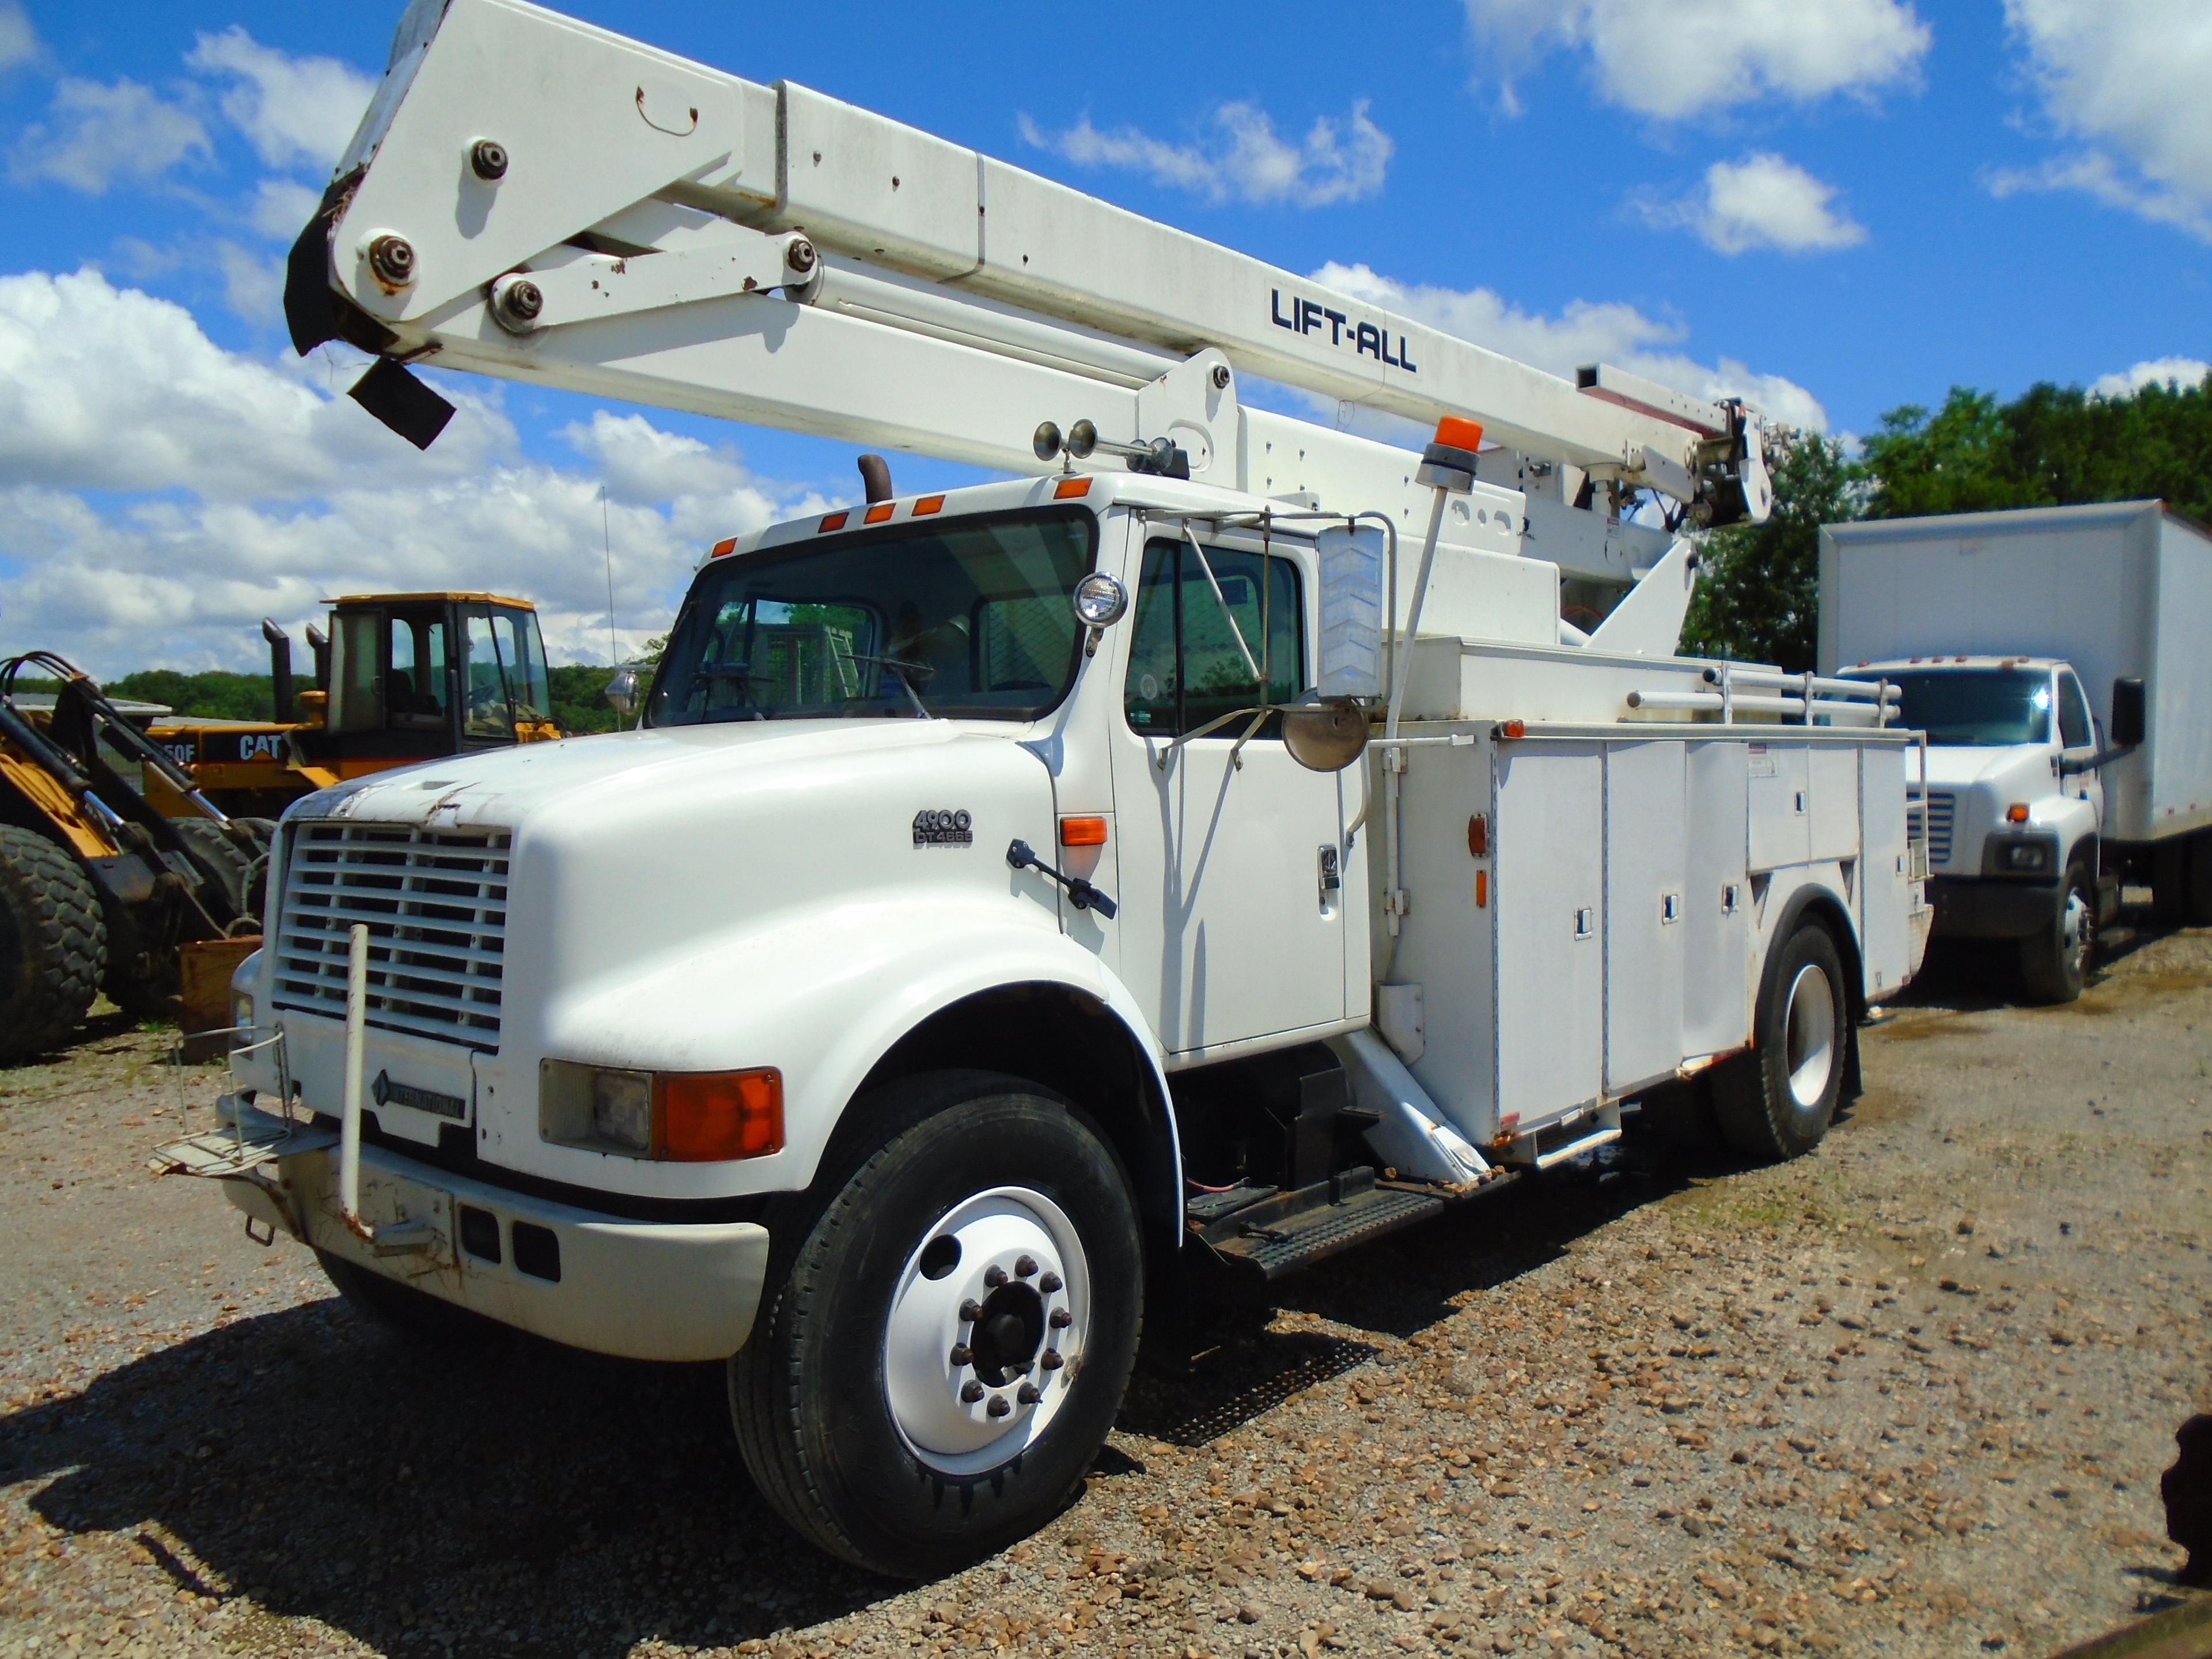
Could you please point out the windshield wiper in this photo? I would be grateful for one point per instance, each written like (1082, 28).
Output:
(902, 669)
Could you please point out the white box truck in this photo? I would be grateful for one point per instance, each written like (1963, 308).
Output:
(1205, 849)
(2060, 661)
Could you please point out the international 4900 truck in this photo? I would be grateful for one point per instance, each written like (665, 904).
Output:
(1202, 851)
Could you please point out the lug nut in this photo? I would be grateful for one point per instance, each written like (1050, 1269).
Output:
(998, 1406)
(994, 1276)
(487, 159)
(1050, 1359)
(1049, 1284)
(971, 1391)
(1062, 1318)
(392, 260)
(799, 256)
(970, 1311)
(1028, 1395)
(961, 1354)
(1025, 1265)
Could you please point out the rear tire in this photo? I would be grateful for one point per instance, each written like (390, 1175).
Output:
(1777, 1102)
(53, 943)
(2055, 959)
(887, 1405)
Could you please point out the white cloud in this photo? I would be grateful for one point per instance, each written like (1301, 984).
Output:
(2126, 79)
(19, 41)
(2184, 372)
(248, 488)
(252, 284)
(1583, 333)
(1762, 202)
(94, 135)
(280, 208)
(295, 111)
(1674, 59)
(1241, 158)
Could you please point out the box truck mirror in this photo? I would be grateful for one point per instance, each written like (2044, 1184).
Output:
(2127, 713)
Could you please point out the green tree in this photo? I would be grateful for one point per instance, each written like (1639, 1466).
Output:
(2051, 446)
(215, 694)
(1758, 598)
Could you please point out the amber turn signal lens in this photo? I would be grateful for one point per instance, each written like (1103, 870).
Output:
(715, 1117)
(1083, 832)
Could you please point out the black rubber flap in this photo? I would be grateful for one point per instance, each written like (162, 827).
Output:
(402, 402)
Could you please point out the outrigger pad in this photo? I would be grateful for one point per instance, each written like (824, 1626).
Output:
(402, 402)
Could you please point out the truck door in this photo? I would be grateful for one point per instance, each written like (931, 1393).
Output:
(1229, 927)
(2077, 738)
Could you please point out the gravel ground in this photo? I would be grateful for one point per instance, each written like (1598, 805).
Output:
(1910, 1395)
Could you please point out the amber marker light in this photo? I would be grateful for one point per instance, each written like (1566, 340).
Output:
(1068, 488)
(928, 505)
(1083, 832)
(716, 1117)
(880, 512)
(724, 547)
(1481, 890)
(1459, 433)
(2017, 812)
(833, 521)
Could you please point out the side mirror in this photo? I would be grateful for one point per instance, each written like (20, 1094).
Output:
(1327, 738)
(2128, 718)
(622, 692)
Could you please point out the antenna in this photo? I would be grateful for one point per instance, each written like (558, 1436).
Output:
(607, 542)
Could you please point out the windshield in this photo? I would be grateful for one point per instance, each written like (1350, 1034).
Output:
(972, 617)
(1974, 708)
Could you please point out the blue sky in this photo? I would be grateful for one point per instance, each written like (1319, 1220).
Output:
(1834, 209)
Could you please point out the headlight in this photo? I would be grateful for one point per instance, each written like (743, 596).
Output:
(241, 1010)
(2023, 857)
(681, 1117)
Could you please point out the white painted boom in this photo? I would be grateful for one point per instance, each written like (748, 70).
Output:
(533, 198)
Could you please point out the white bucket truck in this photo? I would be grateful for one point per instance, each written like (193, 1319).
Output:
(2057, 660)
(1207, 849)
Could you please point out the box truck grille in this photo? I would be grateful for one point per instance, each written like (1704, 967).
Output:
(434, 903)
(1942, 806)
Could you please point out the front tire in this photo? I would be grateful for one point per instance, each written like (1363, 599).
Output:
(948, 1344)
(1777, 1102)
(2054, 961)
(53, 943)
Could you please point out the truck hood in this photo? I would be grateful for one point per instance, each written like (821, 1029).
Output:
(2023, 767)
(623, 771)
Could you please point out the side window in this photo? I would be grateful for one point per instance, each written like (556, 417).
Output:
(1203, 628)
(2074, 729)
(414, 692)
(487, 682)
(356, 671)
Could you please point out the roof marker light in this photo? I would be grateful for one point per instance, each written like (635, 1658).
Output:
(833, 521)
(728, 544)
(881, 511)
(1069, 488)
(928, 505)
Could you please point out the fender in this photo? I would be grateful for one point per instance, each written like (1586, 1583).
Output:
(824, 994)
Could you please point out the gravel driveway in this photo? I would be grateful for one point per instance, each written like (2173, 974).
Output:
(1910, 1395)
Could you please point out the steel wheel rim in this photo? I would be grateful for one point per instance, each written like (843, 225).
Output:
(2075, 934)
(1809, 1036)
(943, 1369)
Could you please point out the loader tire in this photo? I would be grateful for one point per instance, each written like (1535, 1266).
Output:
(1776, 1102)
(53, 943)
(238, 867)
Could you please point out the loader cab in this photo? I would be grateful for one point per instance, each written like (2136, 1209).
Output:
(413, 675)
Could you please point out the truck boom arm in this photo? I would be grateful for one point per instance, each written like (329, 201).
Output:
(533, 198)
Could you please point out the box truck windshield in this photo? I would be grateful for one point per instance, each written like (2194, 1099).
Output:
(1975, 707)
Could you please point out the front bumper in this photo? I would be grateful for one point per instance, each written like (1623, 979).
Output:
(637, 1289)
(1968, 908)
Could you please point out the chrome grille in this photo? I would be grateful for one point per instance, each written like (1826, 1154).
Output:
(434, 903)
(1942, 807)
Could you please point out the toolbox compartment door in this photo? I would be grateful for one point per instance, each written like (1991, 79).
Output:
(1646, 911)
(1549, 934)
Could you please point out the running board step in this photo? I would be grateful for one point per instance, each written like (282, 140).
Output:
(1283, 1242)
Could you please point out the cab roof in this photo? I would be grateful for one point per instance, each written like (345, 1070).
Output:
(432, 599)
(1968, 661)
